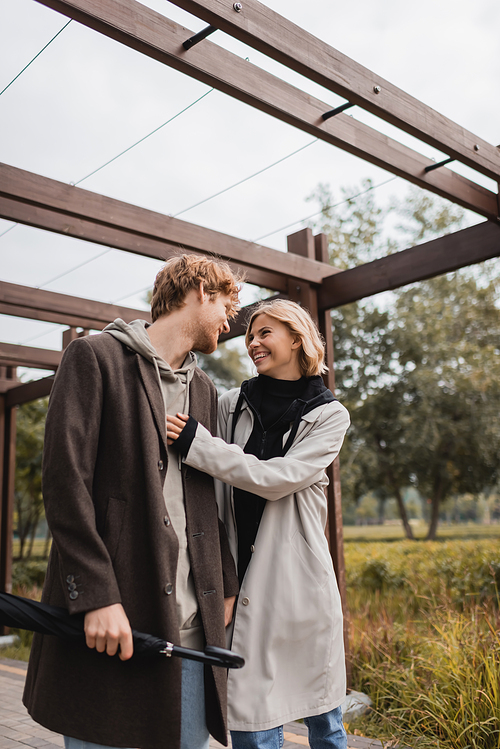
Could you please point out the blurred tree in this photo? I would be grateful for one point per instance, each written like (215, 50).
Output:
(28, 501)
(420, 374)
(227, 367)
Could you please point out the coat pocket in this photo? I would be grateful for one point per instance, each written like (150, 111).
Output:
(113, 525)
(312, 566)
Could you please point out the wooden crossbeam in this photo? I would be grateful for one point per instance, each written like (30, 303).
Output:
(13, 355)
(28, 391)
(48, 204)
(276, 36)
(466, 247)
(50, 306)
(142, 29)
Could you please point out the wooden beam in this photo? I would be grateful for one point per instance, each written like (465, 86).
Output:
(142, 29)
(56, 206)
(28, 391)
(49, 306)
(466, 247)
(7, 473)
(275, 36)
(13, 355)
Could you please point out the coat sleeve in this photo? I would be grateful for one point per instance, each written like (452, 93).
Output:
(275, 478)
(229, 574)
(70, 451)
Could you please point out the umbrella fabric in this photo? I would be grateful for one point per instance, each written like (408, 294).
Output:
(23, 613)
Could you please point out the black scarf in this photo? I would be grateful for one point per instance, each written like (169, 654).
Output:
(278, 406)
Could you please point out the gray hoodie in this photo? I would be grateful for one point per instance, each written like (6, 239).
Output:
(175, 389)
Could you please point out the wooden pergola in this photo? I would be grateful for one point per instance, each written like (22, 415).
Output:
(303, 273)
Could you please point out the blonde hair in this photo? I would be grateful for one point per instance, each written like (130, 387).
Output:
(311, 358)
(182, 273)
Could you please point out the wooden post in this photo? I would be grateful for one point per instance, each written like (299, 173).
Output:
(335, 531)
(302, 292)
(70, 334)
(316, 248)
(7, 472)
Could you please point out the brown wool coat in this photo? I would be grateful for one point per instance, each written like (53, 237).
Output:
(104, 466)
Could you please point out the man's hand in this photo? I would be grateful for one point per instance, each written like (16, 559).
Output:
(228, 609)
(108, 629)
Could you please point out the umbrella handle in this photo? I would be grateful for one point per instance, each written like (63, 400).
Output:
(212, 655)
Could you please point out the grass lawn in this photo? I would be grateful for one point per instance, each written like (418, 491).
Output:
(396, 533)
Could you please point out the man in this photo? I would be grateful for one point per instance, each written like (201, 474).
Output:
(137, 541)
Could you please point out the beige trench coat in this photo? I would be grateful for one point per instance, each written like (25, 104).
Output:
(288, 622)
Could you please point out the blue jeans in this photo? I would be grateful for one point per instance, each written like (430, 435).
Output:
(325, 732)
(194, 732)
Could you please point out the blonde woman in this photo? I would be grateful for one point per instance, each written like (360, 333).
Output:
(278, 434)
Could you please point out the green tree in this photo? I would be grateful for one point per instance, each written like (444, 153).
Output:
(227, 367)
(28, 501)
(420, 374)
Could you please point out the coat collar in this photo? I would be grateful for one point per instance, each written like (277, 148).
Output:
(153, 391)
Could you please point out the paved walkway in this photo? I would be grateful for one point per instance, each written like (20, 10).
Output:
(18, 730)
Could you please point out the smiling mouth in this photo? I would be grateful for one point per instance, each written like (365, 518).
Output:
(259, 357)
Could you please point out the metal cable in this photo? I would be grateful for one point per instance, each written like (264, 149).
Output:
(251, 176)
(318, 213)
(145, 137)
(37, 55)
(9, 229)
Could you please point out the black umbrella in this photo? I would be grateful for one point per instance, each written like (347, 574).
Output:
(23, 613)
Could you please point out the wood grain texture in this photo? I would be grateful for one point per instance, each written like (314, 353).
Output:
(37, 304)
(28, 391)
(56, 206)
(141, 28)
(457, 250)
(14, 355)
(270, 33)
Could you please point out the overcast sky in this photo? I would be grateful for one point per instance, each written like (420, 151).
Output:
(86, 98)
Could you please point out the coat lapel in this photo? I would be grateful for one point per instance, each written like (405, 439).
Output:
(153, 391)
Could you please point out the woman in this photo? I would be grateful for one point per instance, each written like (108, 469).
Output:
(280, 432)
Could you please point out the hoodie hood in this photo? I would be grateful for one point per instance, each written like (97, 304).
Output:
(135, 336)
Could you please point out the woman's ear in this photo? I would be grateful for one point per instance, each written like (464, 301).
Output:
(296, 343)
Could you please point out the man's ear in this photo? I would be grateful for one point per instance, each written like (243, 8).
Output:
(201, 293)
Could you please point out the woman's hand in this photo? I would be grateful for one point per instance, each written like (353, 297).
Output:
(175, 425)
(229, 609)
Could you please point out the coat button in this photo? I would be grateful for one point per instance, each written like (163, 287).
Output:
(252, 548)
(166, 520)
(168, 588)
(245, 601)
(160, 465)
(72, 587)
(70, 579)
(73, 595)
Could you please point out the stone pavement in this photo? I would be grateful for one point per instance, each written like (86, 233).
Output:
(18, 730)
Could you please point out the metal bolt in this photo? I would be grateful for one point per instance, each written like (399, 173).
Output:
(376, 89)
(238, 7)
(476, 147)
